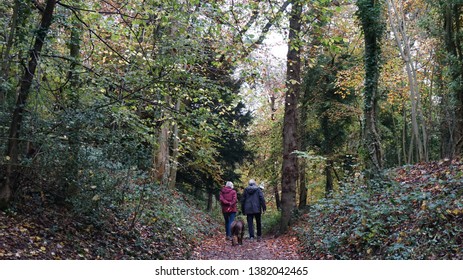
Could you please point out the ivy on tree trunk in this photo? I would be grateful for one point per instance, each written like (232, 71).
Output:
(370, 15)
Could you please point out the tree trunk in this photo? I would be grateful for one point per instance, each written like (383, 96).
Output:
(302, 185)
(329, 178)
(210, 193)
(276, 192)
(457, 13)
(452, 29)
(303, 147)
(72, 103)
(161, 154)
(370, 16)
(446, 127)
(404, 134)
(397, 23)
(303, 163)
(5, 55)
(12, 152)
(293, 81)
(175, 154)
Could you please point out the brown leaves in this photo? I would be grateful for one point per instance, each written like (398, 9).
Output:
(64, 236)
(432, 176)
(284, 247)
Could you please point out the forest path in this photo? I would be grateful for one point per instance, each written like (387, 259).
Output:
(283, 247)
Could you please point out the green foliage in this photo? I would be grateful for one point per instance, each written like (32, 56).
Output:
(85, 160)
(409, 220)
(166, 213)
(271, 221)
(327, 116)
(371, 13)
(93, 133)
(332, 111)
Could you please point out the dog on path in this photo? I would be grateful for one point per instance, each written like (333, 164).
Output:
(237, 231)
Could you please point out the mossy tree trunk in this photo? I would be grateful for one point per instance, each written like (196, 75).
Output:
(372, 23)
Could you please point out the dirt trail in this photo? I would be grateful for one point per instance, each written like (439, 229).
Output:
(284, 247)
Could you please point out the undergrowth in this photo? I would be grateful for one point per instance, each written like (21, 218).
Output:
(129, 221)
(415, 214)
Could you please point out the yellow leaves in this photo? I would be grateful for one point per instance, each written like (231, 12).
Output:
(423, 206)
(401, 236)
(294, 82)
(455, 212)
(348, 81)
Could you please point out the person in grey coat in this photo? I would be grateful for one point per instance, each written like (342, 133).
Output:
(253, 205)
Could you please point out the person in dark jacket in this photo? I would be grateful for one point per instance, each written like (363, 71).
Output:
(228, 201)
(253, 205)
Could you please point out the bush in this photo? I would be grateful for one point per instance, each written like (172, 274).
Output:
(400, 221)
(271, 221)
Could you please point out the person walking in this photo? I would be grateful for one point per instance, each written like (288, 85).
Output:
(228, 201)
(253, 205)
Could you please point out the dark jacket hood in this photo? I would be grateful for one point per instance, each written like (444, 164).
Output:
(252, 188)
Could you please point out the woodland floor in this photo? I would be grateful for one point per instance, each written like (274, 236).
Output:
(284, 247)
(55, 233)
(23, 237)
(422, 215)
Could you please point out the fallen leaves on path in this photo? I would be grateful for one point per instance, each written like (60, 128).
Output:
(284, 247)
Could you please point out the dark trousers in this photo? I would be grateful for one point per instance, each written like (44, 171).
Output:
(229, 218)
(250, 220)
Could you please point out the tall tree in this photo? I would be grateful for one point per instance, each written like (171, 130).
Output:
(332, 111)
(6, 50)
(12, 153)
(71, 104)
(452, 26)
(399, 28)
(372, 23)
(290, 140)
